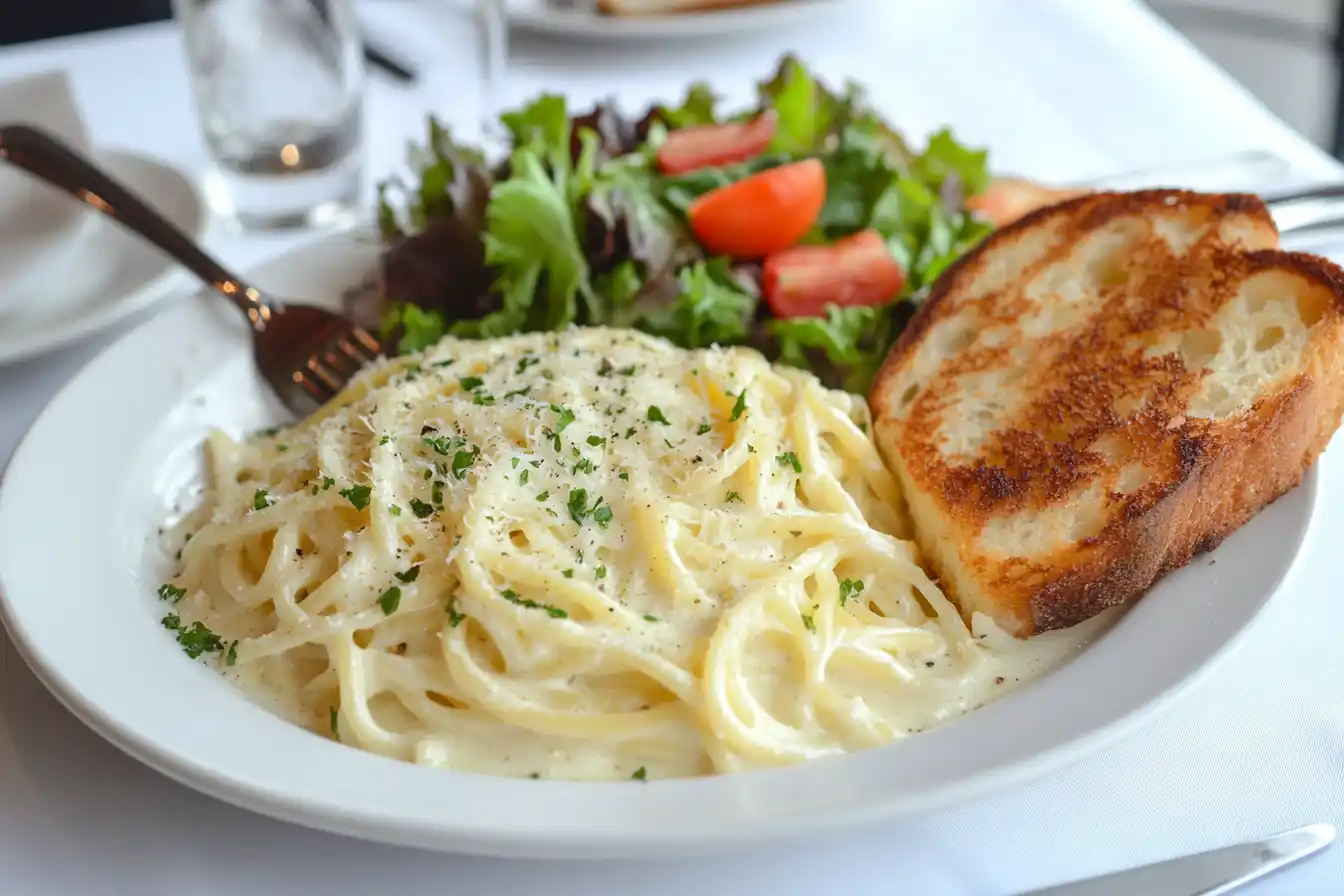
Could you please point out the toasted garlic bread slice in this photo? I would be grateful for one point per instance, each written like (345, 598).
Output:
(1104, 389)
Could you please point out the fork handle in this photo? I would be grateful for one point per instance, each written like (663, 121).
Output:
(49, 158)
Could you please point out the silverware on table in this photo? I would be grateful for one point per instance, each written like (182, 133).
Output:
(1206, 873)
(1234, 171)
(306, 354)
(384, 61)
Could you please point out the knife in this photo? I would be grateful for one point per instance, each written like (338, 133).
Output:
(1206, 873)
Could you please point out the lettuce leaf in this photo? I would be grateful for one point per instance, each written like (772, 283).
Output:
(531, 235)
(710, 308)
(419, 328)
(945, 157)
(807, 111)
(543, 127)
(449, 179)
(697, 107)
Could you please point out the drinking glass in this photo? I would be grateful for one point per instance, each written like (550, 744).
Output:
(278, 86)
(492, 29)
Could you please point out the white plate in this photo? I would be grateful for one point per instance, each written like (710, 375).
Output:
(543, 17)
(79, 563)
(109, 273)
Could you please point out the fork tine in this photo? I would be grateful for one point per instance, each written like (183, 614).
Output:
(340, 363)
(310, 387)
(324, 376)
(365, 340)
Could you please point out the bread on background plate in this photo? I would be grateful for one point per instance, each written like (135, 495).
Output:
(1104, 389)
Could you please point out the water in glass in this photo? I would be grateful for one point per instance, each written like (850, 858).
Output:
(279, 92)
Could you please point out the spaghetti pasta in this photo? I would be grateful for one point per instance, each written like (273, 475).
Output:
(585, 555)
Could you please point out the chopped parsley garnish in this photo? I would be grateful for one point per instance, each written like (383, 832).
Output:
(523, 477)
(596, 440)
(463, 460)
(569, 573)
(394, 509)
(849, 588)
(409, 575)
(169, 591)
(732, 496)
(542, 496)
(454, 617)
(641, 774)
(629, 432)
(260, 500)
(357, 495)
(564, 417)
(602, 571)
(513, 462)
(231, 657)
(624, 476)
(525, 362)
(512, 597)
(739, 406)
(578, 508)
(656, 415)
(384, 440)
(649, 617)
(578, 504)
(809, 623)
(626, 371)
(702, 429)
(482, 398)
(389, 600)
(469, 383)
(421, 509)
(585, 466)
(789, 459)
(195, 639)
(440, 444)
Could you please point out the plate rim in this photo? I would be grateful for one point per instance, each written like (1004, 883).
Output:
(328, 814)
(153, 290)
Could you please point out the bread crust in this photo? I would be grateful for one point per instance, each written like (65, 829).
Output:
(1209, 475)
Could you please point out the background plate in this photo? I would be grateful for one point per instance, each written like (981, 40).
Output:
(541, 17)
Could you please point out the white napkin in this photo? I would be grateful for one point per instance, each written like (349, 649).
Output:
(37, 221)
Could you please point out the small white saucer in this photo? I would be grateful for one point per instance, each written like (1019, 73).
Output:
(110, 273)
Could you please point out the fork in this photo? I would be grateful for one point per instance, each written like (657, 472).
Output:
(307, 354)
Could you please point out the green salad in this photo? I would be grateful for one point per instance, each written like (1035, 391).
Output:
(804, 226)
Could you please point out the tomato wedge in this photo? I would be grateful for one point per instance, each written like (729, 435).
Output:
(857, 270)
(764, 213)
(711, 145)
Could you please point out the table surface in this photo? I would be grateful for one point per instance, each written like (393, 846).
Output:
(1059, 89)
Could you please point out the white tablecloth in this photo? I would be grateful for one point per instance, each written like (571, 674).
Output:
(1059, 88)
